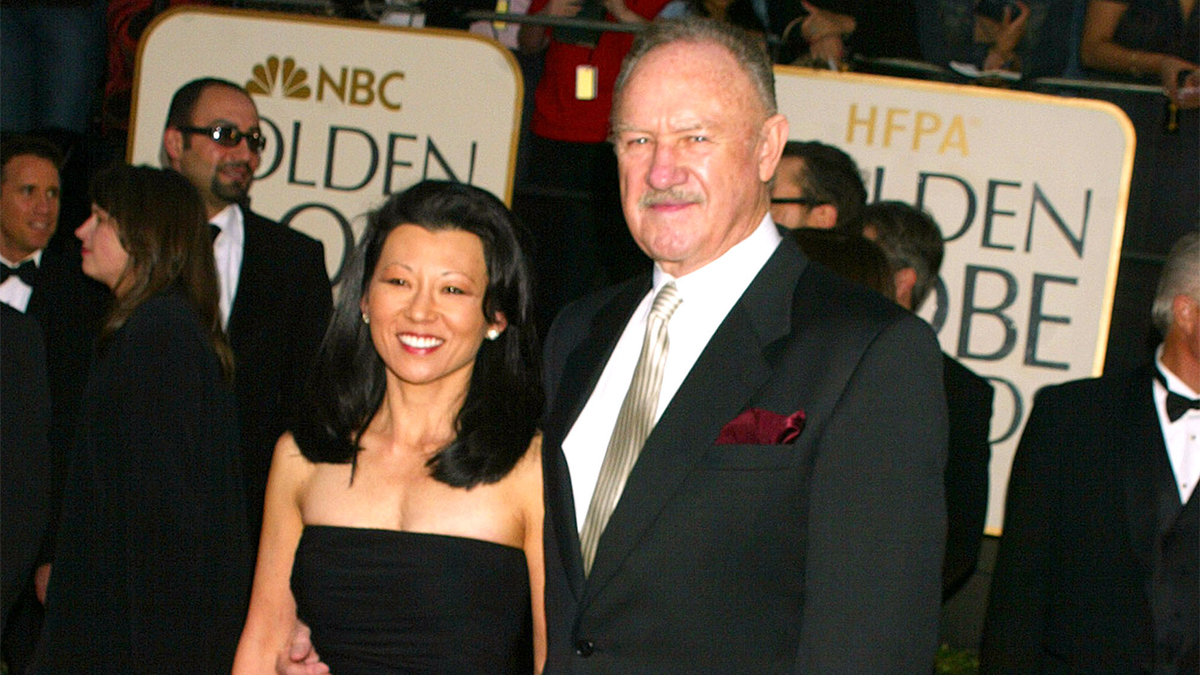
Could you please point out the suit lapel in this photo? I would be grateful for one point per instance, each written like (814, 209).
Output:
(580, 373)
(1152, 499)
(251, 277)
(731, 369)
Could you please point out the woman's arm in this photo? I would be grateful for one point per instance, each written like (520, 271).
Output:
(272, 615)
(530, 489)
(1097, 50)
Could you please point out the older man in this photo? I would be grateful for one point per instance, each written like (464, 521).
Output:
(275, 293)
(1097, 566)
(743, 455)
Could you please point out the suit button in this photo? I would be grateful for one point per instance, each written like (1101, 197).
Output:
(584, 648)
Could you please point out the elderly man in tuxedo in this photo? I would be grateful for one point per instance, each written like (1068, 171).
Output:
(275, 293)
(743, 453)
(1096, 571)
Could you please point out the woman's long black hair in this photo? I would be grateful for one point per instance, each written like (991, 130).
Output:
(347, 383)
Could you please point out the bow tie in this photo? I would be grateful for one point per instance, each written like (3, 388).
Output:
(1177, 404)
(26, 271)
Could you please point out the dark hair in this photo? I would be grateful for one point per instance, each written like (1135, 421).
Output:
(504, 399)
(745, 49)
(183, 103)
(829, 176)
(161, 225)
(910, 238)
(848, 255)
(19, 145)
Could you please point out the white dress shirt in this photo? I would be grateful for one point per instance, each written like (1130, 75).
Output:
(708, 293)
(1181, 436)
(227, 253)
(14, 292)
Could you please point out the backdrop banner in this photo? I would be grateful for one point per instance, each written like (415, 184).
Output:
(352, 110)
(1030, 193)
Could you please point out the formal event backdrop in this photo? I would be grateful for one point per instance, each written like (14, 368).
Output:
(1029, 190)
(352, 110)
(1030, 193)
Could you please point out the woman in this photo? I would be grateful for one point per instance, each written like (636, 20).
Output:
(403, 518)
(1155, 39)
(153, 558)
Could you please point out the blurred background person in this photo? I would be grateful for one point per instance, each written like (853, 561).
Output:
(1097, 568)
(406, 506)
(912, 242)
(153, 557)
(816, 185)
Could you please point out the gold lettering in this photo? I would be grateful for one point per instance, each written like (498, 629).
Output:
(927, 123)
(323, 78)
(383, 83)
(361, 82)
(891, 125)
(868, 122)
(956, 137)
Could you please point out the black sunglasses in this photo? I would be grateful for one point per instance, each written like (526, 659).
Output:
(229, 136)
(802, 201)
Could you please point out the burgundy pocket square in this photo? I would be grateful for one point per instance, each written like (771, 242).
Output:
(762, 427)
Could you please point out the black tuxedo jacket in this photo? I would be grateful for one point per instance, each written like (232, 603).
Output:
(969, 403)
(24, 452)
(276, 324)
(1090, 499)
(819, 556)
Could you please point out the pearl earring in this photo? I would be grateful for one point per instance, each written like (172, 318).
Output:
(492, 334)
(366, 319)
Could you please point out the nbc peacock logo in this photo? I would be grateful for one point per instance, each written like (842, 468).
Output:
(293, 81)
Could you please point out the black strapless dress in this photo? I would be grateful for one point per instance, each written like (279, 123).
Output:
(383, 601)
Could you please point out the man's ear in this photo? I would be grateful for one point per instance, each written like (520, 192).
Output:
(904, 279)
(774, 137)
(822, 217)
(172, 146)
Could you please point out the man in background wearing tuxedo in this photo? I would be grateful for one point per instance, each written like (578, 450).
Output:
(62, 309)
(1097, 567)
(912, 242)
(275, 293)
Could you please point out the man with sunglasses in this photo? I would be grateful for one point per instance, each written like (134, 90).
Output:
(816, 185)
(275, 292)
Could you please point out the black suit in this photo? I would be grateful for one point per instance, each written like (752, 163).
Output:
(24, 452)
(279, 315)
(969, 403)
(820, 556)
(1093, 526)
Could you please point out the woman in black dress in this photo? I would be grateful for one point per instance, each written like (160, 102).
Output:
(403, 518)
(153, 561)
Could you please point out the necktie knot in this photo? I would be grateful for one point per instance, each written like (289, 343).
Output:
(666, 302)
(26, 272)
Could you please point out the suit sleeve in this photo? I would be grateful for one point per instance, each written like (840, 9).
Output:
(188, 556)
(877, 514)
(313, 309)
(970, 408)
(1015, 620)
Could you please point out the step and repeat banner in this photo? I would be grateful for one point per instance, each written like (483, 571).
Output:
(352, 111)
(1029, 190)
(1030, 193)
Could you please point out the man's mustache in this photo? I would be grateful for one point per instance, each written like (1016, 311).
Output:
(673, 196)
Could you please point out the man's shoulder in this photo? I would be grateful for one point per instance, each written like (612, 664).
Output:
(278, 233)
(962, 381)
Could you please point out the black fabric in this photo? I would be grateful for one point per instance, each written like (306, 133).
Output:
(1177, 404)
(384, 601)
(152, 566)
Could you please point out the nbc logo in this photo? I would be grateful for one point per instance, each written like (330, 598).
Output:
(351, 86)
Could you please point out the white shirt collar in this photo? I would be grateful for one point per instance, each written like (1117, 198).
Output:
(36, 258)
